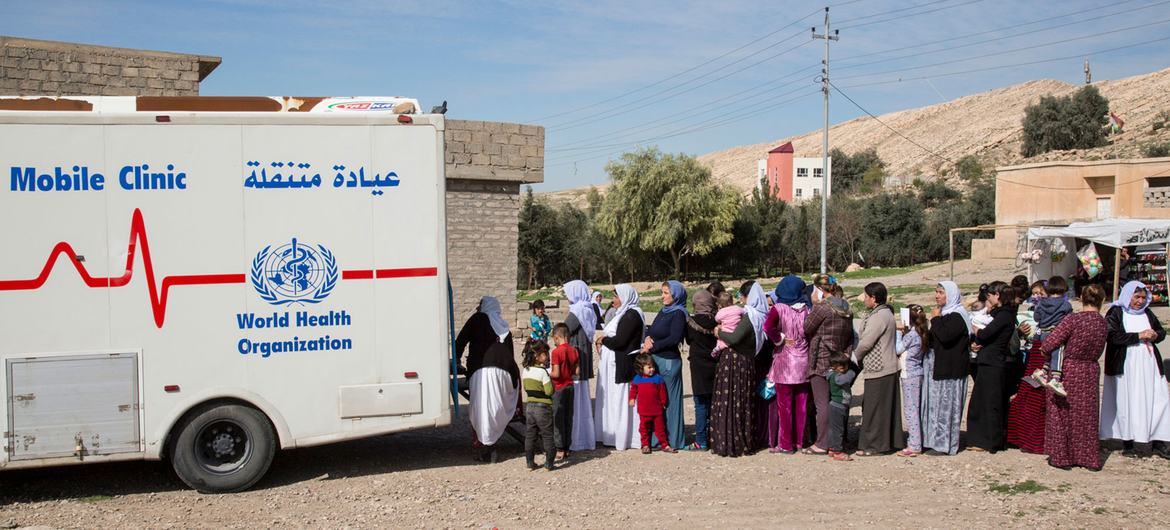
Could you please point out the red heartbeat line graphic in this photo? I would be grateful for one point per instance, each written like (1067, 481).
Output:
(158, 293)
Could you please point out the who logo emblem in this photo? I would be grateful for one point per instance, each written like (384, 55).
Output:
(294, 273)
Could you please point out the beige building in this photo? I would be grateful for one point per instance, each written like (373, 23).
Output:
(487, 162)
(1059, 193)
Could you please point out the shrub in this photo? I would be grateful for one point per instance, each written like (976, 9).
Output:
(1156, 150)
(1067, 122)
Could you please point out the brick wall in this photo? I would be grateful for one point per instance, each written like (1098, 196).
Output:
(487, 164)
(36, 67)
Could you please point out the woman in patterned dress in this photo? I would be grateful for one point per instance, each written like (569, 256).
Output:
(1070, 433)
(732, 418)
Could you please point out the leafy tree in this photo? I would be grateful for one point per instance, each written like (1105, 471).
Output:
(849, 171)
(969, 168)
(891, 228)
(844, 230)
(668, 203)
(758, 234)
(1066, 122)
(936, 193)
(538, 237)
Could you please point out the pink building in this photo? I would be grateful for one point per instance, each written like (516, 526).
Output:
(780, 172)
(791, 179)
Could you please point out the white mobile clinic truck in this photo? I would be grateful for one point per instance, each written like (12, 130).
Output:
(207, 280)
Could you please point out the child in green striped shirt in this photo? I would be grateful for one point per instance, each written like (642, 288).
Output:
(538, 389)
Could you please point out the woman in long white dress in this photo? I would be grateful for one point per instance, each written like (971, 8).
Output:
(582, 323)
(615, 421)
(494, 378)
(1135, 405)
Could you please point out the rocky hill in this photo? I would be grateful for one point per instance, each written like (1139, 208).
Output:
(986, 125)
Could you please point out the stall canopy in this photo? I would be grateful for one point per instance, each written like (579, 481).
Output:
(1114, 233)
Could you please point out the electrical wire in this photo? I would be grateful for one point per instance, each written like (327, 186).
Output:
(996, 39)
(1005, 52)
(1161, 173)
(849, 58)
(910, 15)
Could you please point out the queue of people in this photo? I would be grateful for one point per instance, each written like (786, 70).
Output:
(776, 371)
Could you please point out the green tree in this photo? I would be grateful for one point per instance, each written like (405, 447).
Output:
(759, 234)
(849, 170)
(936, 193)
(537, 239)
(969, 168)
(891, 229)
(1066, 122)
(666, 203)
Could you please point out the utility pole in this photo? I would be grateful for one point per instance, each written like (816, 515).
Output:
(1088, 73)
(827, 36)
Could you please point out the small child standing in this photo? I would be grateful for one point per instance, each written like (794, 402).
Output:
(564, 367)
(912, 348)
(539, 321)
(538, 389)
(841, 375)
(648, 390)
(727, 318)
(1049, 311)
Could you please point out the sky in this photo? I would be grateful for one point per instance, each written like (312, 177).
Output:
(610, 76)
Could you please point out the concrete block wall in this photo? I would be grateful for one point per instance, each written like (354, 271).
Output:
(37, 67)
(488, 163)
(1157, 197)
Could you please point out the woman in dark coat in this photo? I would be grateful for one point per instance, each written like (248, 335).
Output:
(493, 377)
(733, 407)
(662, 342)
(582, 324)
(615, 422)
(701, 342)
(944, 385)
(1070, 434)
(1136, 399)
(987, 413)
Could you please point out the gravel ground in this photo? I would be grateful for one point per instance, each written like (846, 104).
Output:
(428, 479)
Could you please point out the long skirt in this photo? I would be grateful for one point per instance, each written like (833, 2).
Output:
(731, 407)
(1025, 428)
(584, 436)
(986, 418)
(1136, 404)
(1071, 434)
(493, 403)
(671, 370)
(881, 416)
(911, 413)
(942, 409)
(615, 422)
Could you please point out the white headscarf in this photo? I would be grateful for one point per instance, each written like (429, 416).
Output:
(1125, 297)
(756, 310)
(629, 297)
(954, 302)
(595, 297)
(581, 305)
(489, 306)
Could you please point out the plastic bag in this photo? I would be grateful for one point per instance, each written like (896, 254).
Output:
(766, 389)
(1058, 251)
(1090, 260)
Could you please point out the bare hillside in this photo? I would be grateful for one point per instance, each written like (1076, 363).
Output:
(986, 125)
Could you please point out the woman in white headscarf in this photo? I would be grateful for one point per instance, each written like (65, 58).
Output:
(615, 421)
(582, 323)
(1136, 402)
(493, 376)
(944, 369)
(732, 408)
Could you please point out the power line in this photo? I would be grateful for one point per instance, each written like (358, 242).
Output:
(1025, 48)
(572, 124)
(1163, 172)
(679, 74)
(1000, 67)
(912, 14)
(887, 12)
(706, 125)
(573, 146)
(969, 35)
(1005, 37)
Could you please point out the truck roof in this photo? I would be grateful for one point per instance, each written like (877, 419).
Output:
(125, 104)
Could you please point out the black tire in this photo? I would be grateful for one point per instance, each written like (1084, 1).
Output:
(223, 448)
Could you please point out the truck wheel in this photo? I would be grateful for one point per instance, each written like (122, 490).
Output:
(223, 448)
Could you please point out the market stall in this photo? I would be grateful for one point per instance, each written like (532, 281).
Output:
(1109, 252)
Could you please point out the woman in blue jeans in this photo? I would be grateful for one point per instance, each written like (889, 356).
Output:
(662, 342)
(701, 339)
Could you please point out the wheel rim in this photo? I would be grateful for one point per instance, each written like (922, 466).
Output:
(223, 447)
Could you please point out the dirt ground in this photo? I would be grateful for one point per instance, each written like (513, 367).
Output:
(429, 479)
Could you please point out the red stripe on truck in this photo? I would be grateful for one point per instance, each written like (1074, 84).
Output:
(159, 293)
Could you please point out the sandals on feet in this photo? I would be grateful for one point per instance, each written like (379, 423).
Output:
(645, 450)
(813, 451)
(908, 453)
(840, 457)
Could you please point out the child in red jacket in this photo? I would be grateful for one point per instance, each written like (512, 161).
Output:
(648, 390)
